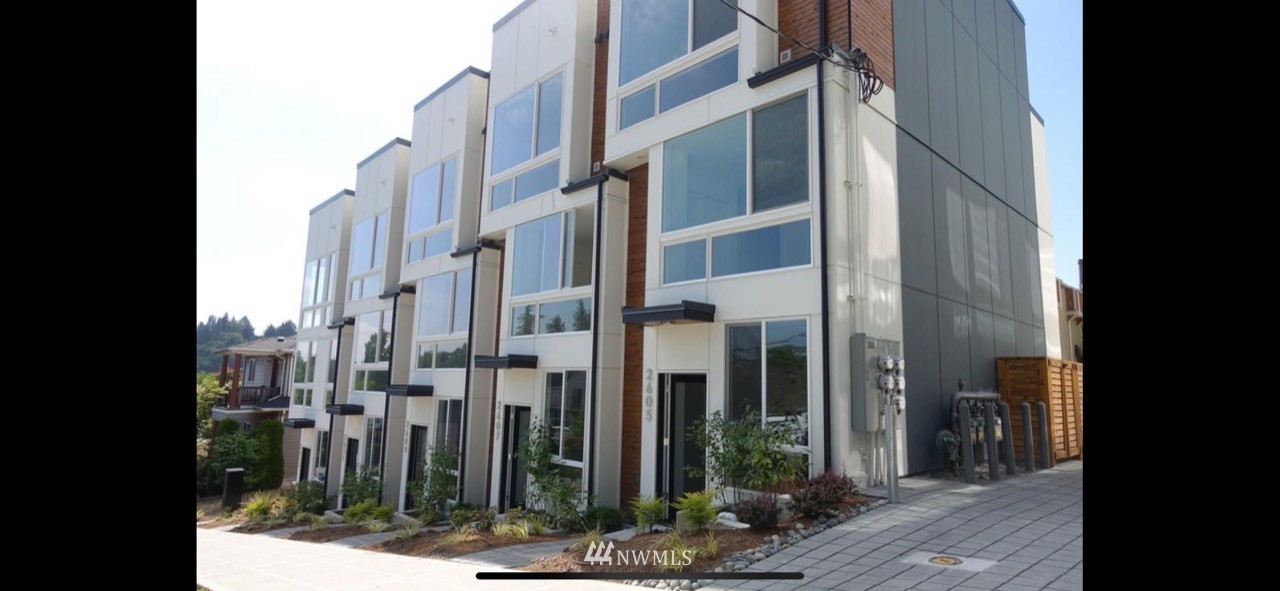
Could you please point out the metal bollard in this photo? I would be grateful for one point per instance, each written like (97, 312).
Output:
(1010, 463)
(966, 444)
(993, 447)
(1028, 444)
(1046, 448)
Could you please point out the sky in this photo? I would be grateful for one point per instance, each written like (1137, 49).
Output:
(290, 95)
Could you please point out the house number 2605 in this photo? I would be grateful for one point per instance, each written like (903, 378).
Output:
(648, 395)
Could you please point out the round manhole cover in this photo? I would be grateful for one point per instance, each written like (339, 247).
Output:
(946, 560)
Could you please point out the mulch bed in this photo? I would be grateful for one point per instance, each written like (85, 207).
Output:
(432, 544)
(257, 528)
(331, 533)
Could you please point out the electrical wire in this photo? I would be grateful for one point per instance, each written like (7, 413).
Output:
(858, 61)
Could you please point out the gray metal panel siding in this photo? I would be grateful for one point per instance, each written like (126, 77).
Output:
(1028, 163)
(1033, 266)
(979, 249)
(1004, 38)
(992, 127)
(1024, 337)
(1037, 335)
(925, 397)
(953, 344)
(1020, 55)
(964, 11)
(949, 232)
(969, 105)
(1005, 337)
(915, 214)
(982, 349)
(943, 131)
(1021, 268)
(1001, 258)
(1012, 146)
(911, 68)
(986, 17)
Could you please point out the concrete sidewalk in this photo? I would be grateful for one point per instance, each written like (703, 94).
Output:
(231, 562)
(1024, 533)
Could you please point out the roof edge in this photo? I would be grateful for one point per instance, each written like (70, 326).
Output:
(336, 196)
(390, 144)
(456, 78)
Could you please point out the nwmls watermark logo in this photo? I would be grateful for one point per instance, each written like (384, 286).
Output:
(602, 553)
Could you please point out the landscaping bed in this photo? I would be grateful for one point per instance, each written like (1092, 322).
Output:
(440, 545)
(329, 534)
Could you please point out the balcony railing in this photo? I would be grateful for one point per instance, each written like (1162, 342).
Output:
(251, 396)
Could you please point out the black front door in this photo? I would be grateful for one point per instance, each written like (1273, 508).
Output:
(304, 470)
(515, 472)
(353, 455)
(417, 453)
(685, 401)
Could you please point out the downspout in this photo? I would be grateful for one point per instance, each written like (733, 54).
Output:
(595, 337)
(466, 380)
(822, 244)
(386, 398)
(328, 464)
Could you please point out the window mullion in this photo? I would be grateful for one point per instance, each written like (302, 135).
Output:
(764, 373)
(751, 158)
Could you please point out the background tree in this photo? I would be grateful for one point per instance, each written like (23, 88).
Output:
(207, 393)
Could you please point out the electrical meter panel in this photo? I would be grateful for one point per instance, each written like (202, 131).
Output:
(876, 366)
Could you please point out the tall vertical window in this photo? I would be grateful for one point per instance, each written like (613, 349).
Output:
(304, 372)
(527, 124)
(373, 443)
(317, 291)
(322, 455)
(548, 257)
(430, 204)
(564, 414)
(705, 172)
(449, 431)
(368, 250)
(655, 32)
(371, 352)
(769, 372)
(444, 304)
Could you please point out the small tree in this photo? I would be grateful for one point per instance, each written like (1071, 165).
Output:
(360, 486)
(207, 393)
(438, 484)
(230, 450)
(228, 426)
(562, 499)
(746, 454)
(270, 467)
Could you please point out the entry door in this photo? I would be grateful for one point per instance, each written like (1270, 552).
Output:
(417, 452)
(304, 471)
(685, 401)
(349, 466)
(515, 472)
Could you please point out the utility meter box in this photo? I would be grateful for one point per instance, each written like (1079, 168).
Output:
(865, 365)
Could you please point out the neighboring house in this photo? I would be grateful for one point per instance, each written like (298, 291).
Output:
(1071, 315)
(257, 373)
(648, 212)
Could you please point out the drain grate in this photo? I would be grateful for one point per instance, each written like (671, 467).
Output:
(965, 563)
(946, 560)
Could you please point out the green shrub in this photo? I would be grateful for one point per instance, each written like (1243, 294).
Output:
(820, 493)
(592, 536)
(409, 530)
(260, 506)
(231, 450)
(308, 497)
(376, 526)
(511, 530)
(677, 549)
(605, 518)
(270, 466)
(710, 546)
(383, 512)
(649, 511)
(359, 512)
(438, 484)
(559, 497)
(360, 486)
(747, 454)
(760, 512)
(462, 536)
(473, 516)
(536, 522)
(227, 427)
(699, 509)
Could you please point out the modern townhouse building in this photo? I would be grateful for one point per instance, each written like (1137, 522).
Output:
(651, 211)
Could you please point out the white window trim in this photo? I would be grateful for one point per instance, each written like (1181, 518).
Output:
(764, 373)
(682, 62)
(323, 300)
(657, 88)
(435, 353)
(535, 160)
(560, 292)
(586, 423)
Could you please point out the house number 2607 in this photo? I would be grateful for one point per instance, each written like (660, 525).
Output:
(648, 395)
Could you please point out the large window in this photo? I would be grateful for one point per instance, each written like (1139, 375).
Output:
(547, 257)
(431, 204)
(565, 417)
(304, 371)
(368, 249)
(526, 185)
(444, 303)
(317, 292)
(372, 352)
(527, 124)
(373, 443)
(769, 372)
(705, 172)
(655, 32)
(322, 455)
(449, 430)
(693, 82)
(446, 355)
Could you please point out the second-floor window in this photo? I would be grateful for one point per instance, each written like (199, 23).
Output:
(431, 204)
(656, 32)
(372, 352)
(527, 124)
(368, 250)
(317, 291)
(444, 302)
(554, 252)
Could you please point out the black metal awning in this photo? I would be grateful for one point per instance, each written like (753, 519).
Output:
(686, 312)
(345, 409)
(299, 423)
(410, 390)
(512, 361)
(279, 402)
